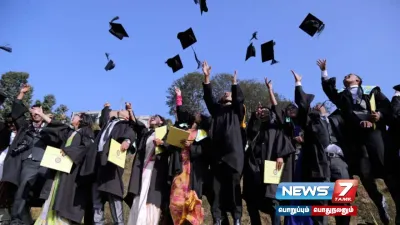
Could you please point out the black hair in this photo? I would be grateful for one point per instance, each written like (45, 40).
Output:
(161, 118)
(36, 105)
(86, 120)
(359, 78)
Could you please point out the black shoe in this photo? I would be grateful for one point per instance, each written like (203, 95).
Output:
(237, 222)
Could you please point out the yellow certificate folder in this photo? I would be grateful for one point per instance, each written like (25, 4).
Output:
(160, 133)
(53, 159)
(115, 155)
(176, 135)
(271, 174)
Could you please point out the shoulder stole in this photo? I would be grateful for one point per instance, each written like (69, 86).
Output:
(366, 89)
(243, 124)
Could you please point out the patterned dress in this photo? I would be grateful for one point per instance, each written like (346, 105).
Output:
(185, 206)
(48, 216)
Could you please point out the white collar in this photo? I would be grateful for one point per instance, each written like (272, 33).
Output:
(353, 86)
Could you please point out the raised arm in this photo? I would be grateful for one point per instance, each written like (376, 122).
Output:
(300, 98)
(18, 109)
(105, 115)
(179, 103)
(208, 95)
(329, 84)
(274, 102)
(237, 98)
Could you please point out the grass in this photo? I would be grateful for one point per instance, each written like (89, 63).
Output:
(366, 207)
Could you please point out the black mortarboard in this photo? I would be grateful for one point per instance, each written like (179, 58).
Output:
(117, 29)
(187, 38)
(267, 52)
(251, 51)
(197, 59)
(254, 36)
(397, 87)
(110, 65)
(196, 2)
(203, 6)
(5, 48)
(312, 25)
(2, 97)
(175, 63)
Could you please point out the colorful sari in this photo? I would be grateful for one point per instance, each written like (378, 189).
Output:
(48, 216)
(185, 205)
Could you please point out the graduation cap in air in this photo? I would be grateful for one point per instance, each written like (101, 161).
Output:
(203, 6)
(196, 2)
(251, 51)
(187, 38)
(197, 59)
(397, 87)
(110, 65)
(267, 52)
(117, 29)
(312, 25)
(254, 36)
(3, 97)
(6, 48)
(175, 63)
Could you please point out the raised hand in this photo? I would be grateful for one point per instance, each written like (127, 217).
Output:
(321, 64)
(107, 104)
(268, 84)
(296, 76)
(206, 69)
(25, 88)
(178, 91)
(36, 110)
(128, 106)
(234, 77)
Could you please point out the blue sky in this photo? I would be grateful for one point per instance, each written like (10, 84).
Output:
(62, 45)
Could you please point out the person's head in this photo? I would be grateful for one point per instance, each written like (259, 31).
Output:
(320, 108)
(263, 113)
(34, 116)
(291, 111)
(226, 99)
(352, 79)
(10, 123)
(156, 121)
(82, 120)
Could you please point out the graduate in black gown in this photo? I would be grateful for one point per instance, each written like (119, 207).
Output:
(108, 184)
(148, 190)
(368, 129)
(67, 194)
(270, 143)
(227, 148)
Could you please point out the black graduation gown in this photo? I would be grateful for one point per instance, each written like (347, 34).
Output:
(73, 192)
(226, 131)
(108, 175)
(314, 158)
(199, 154)
(270, 143)
(392, 162)
(366, 143)
(5, 134)
(159, 185)
(12, 164)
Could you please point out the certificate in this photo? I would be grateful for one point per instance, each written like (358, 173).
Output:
(115, 155)
(176, 135)
(160, 132)
(53, 159)
(271, 174)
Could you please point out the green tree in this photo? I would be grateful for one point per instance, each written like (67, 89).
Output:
(10, 84)
(192, 92)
